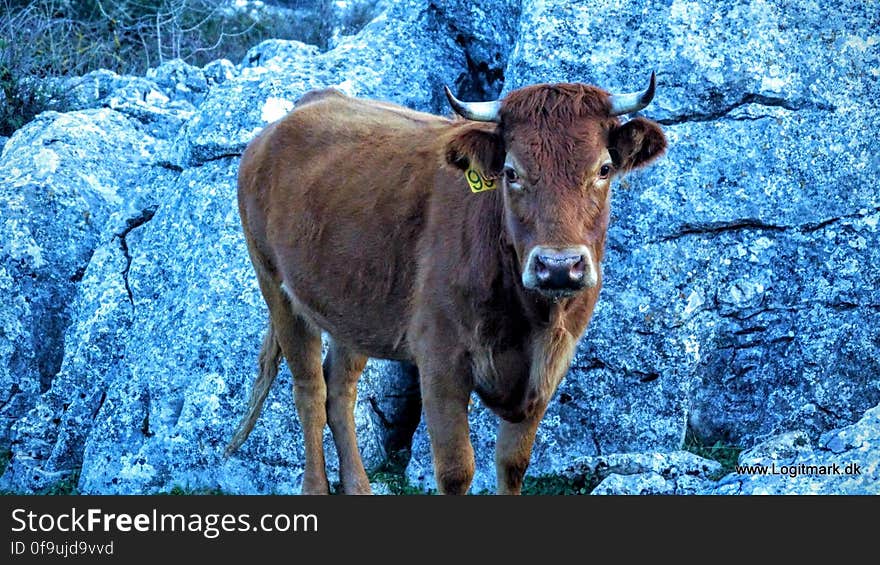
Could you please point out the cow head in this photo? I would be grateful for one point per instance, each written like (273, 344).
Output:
(555, 148)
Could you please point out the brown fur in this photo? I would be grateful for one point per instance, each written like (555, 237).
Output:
(361, 210)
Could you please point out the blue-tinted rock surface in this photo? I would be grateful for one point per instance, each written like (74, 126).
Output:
(741, 278)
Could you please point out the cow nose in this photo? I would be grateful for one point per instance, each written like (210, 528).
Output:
(560, 270)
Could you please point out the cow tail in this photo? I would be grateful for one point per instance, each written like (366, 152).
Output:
(270, 357)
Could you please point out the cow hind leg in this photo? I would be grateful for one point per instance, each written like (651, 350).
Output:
(342, 369)
(301, 344)
(300, 341)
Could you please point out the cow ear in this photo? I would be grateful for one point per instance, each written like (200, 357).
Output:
(635, 144)
(477, 144)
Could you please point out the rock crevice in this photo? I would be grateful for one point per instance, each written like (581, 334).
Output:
(130, 224)
(747, 99)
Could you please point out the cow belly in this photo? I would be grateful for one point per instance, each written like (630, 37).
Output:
(370, 328)
(353, 278)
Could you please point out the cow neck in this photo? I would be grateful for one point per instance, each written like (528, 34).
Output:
(492, 279)
(482, 247)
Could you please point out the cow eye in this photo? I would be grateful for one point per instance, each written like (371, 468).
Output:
(604, 171)
(511, 176)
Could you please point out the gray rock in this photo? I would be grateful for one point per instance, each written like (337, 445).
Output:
(323, 24)
(638, 484)
(149, 104)
(678, 472)
(391, 389)
(743, 266)
(180, 81)
(708, 57)
(85, 92)
(487, 32)
(351, 16)
(219, 71)
(61, 179)
(280, 53)
(158, 364)
(49, 439)
(173, 80)
(843, 461)
(741, 278)
(599, 408)
(771, 289)
(162, 109)
(162, 102)
(402, 56)
(191, 356)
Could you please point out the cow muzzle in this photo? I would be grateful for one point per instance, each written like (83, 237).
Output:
(559, 272)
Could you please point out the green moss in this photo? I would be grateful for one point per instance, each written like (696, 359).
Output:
(64, 487)
(5, 456)
(726, 454)
(393, 474)
(397, 483)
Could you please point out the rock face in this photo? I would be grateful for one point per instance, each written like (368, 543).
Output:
(400, 56)
(741, 275)
(842, 461)
(487, 33)
(162, 102)
(677, 472)
(62, 179)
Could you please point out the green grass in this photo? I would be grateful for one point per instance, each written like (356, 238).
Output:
(64, 487)
(726, 454)
(550, 485)
(397, 483)
(178, 490)
(393, 474)
(547, 485)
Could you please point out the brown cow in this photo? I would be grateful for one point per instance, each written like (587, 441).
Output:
(360, 222)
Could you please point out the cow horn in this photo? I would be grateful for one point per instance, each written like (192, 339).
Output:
(477, 111)
(633, 101)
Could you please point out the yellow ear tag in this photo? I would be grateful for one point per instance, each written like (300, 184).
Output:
(478, 182)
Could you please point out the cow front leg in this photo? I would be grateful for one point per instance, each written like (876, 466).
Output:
(445, 406)
(513, 450)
